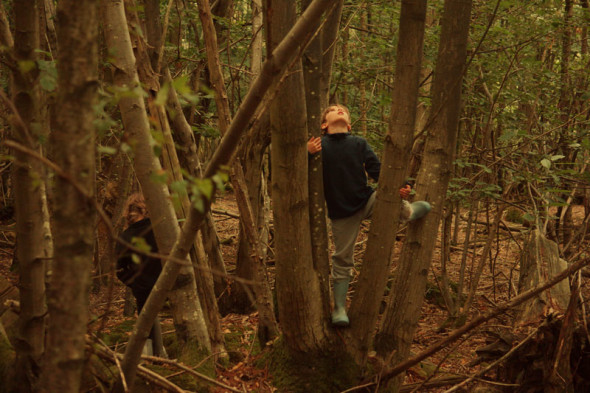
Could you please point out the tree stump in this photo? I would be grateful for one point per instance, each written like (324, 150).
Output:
(540, 261)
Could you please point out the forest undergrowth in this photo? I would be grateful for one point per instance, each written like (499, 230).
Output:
(243, 369)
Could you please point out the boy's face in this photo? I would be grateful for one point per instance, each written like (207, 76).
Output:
(336, 117)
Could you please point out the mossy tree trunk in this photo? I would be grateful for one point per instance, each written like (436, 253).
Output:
(74, 215)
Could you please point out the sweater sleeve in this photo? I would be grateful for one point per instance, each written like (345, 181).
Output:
(372, 163)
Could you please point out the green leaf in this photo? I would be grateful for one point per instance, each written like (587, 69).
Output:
(162, 96)
(159, 177)
(26, 65)
(546, 163)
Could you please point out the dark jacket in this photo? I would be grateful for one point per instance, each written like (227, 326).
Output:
(346, 161)
(144, 273)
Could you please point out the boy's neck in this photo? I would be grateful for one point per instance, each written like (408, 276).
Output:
(337, 129)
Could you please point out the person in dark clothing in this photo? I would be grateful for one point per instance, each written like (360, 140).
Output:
(140, 272)
(346, 161)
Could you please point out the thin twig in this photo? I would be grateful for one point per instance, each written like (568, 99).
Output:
(494, 364)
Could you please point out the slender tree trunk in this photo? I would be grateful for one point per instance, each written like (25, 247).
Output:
(186, 310)
(298, 289)
(252, 154)
(312, 72)
(398, 144)
(329, 36)
(403, 310)
(28, 178)
(73, 141)
(189, 160)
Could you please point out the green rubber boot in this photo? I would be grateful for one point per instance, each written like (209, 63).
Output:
(339, 317)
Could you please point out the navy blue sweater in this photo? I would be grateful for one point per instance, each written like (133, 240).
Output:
(346, 160)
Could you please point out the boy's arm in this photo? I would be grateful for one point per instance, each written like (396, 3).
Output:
(372, 163)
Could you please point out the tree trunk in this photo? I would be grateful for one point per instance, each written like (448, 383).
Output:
(403, 309)
(252, 155)
(540, 260)
(73, 141)
(398, 144)
(190, 161)
(186, 310)
(312, 72)
(28, 178)
(329, 35)
(298, 289)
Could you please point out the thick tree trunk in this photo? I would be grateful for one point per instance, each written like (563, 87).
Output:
(403, 310)
(186, 310)
(73, 141)
(28, 178)
(298, 289)
(398, 145)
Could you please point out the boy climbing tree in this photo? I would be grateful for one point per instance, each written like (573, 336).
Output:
(346, 160)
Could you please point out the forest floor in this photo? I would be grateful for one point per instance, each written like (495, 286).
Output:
(243, 371)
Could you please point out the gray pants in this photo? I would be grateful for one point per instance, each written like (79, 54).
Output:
(346, 230)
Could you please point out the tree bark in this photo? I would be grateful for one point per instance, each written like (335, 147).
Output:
(252, 154)
(189, 160)
(301, 315)
(312, 73)
(73, 141)
(28, 177)
(403, 309)
(398, 145)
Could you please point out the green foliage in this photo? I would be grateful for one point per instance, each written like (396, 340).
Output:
(201, 190)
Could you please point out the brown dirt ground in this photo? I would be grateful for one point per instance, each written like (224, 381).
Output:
(243, 374)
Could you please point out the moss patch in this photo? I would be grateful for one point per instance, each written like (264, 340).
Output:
(119, 334)
(323, 372)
